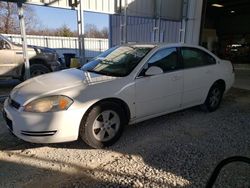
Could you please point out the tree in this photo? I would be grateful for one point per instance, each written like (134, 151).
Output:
(9, 22)
(105, 32)
(91, 31)
(64, 31)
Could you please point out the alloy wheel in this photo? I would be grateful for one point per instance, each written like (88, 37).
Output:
(215, 96)
(106, 125)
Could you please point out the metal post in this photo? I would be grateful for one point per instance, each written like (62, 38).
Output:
(80, 24)
(159, 30)
(125, 21)
(184, 22)
(121, 22)
(121, 30)
(159, 22)
(183, 31)
(155, 28)
(79, 32)
(24, 40)
(100, 46)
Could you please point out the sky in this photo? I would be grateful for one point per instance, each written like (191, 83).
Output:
(55, 18)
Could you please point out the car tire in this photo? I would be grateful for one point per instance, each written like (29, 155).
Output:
(38, 69)
(214, 98)
(103, 125)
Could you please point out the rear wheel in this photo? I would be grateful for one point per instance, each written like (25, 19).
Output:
(103, 125)
(214, 98)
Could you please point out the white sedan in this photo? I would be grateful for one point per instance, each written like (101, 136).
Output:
(124, 85)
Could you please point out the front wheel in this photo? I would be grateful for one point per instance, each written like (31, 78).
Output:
(38, 69)
(214, 98)
(103, 125)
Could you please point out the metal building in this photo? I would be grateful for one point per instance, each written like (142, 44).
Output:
(131, 20)
(141, 29)
(156, 21)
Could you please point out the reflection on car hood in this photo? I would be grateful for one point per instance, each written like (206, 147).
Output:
(52, 83)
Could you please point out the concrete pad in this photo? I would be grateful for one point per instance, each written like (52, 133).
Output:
(242, 79)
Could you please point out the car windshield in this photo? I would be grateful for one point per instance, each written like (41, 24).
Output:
(118, 61)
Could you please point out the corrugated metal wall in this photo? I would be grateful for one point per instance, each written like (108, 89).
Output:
(142, 30)
(104, 6)
(193, 21)
(168, 9)
(145, 8)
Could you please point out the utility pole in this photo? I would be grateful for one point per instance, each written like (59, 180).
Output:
(24, 40)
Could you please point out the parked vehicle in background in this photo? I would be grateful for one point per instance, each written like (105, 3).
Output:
(238, 53)
(42, 60)
(125, 85)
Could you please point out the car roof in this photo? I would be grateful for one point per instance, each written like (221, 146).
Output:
(166, 45)
(159, 45)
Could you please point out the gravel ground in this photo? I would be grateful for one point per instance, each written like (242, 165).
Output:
(177, 150)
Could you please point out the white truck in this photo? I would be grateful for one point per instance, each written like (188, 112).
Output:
(42, 60)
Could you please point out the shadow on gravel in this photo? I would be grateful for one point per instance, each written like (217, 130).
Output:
(55, 177)
(9, 142)
(51, 178)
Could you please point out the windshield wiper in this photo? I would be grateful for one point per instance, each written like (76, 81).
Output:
(104, 73)
(97, 72)
(92, 71)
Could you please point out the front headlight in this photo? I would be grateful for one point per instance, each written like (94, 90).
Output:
(49, 104)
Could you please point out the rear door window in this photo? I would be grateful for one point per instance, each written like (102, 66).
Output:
(193, 57)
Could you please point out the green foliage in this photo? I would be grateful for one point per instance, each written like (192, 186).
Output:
(64, 31)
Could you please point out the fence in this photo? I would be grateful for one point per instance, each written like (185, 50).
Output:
(93, 46)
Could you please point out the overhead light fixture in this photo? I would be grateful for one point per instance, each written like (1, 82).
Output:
(217, 5)
(232, 11)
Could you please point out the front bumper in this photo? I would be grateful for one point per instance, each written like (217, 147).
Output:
(43, 127)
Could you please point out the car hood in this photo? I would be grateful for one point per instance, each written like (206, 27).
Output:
(53, 83)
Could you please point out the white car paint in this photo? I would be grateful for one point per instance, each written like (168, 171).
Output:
(146, 97)
(151, 96)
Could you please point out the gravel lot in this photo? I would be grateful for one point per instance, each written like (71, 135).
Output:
(177, 150)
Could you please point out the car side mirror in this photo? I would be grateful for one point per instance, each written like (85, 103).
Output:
(153, 71)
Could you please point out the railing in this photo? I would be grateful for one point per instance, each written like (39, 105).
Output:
(93, 46)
